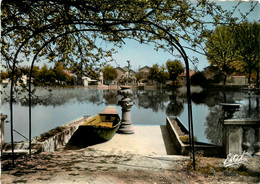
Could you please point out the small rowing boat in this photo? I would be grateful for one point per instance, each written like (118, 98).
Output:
(97, 129)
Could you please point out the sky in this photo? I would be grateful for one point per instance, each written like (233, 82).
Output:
(144, 55)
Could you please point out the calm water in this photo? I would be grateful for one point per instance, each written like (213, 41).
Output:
(151, 107)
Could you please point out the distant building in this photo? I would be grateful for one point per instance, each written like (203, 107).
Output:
(6, 81)
(123, 75)
(68, 73)
(182, 77)
(239, 80)
(210, 72)
(88, 81)
(120, 74)
(144, 72)
(101, 78)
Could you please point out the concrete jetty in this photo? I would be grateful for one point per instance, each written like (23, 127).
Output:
(147, 140)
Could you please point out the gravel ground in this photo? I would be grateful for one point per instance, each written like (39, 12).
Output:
(91, 165)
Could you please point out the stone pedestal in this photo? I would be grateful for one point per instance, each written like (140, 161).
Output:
(126, 104)
(233, 139)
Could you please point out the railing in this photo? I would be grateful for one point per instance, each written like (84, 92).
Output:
(242, 135)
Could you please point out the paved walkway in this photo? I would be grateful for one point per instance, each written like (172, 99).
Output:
(146, 140)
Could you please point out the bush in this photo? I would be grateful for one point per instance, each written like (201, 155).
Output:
(198, 79)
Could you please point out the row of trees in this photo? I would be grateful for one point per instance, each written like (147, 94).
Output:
(235, 49)
(163, 73)
(43, 76)
(157, 73)
(59, 75)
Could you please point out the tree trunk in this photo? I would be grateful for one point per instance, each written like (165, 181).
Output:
(225, 79)
(249, 76)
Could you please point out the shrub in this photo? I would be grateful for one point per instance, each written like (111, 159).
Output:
(199, 79)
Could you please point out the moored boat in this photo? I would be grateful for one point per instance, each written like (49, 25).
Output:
(97, 129)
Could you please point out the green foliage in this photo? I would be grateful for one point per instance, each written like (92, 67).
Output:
(71, 30)
(221, 50)
(4, 75)
(138, 76)
(235, 48)
(59, 72)
(109, 73)
(247, 40)
(46, 76)
(158, 74)
(199, 79)
(154, 72)
(174, 68)
(185, 139)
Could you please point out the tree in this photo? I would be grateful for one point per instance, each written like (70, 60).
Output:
(69, 30)
(59, 72)
(109, 73)
(174, 68)
(199, 79)
(138, 76)
(4, 75)
(247, 45)
(46, 76)
(158, 74)
(154, 72)
(235, 49)
(221, 50)
(163, 75)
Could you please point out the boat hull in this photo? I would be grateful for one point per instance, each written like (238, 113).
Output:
(87, 136)
(95, 130)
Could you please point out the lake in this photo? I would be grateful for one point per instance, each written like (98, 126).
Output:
(151, 107)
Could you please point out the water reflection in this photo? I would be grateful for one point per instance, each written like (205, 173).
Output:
(151, 107)
(152, 99)
(110, 97)
(214, 125)
(176, 106)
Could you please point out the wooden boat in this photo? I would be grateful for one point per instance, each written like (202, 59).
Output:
(105, 124)
(97, 129)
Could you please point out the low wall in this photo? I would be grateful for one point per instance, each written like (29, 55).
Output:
(242, 135)
(50, 144)
(178, 144)
(184, 149)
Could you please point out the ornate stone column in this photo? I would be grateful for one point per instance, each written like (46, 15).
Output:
(126, 104)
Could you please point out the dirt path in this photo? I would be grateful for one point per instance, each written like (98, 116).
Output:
(91, 165)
